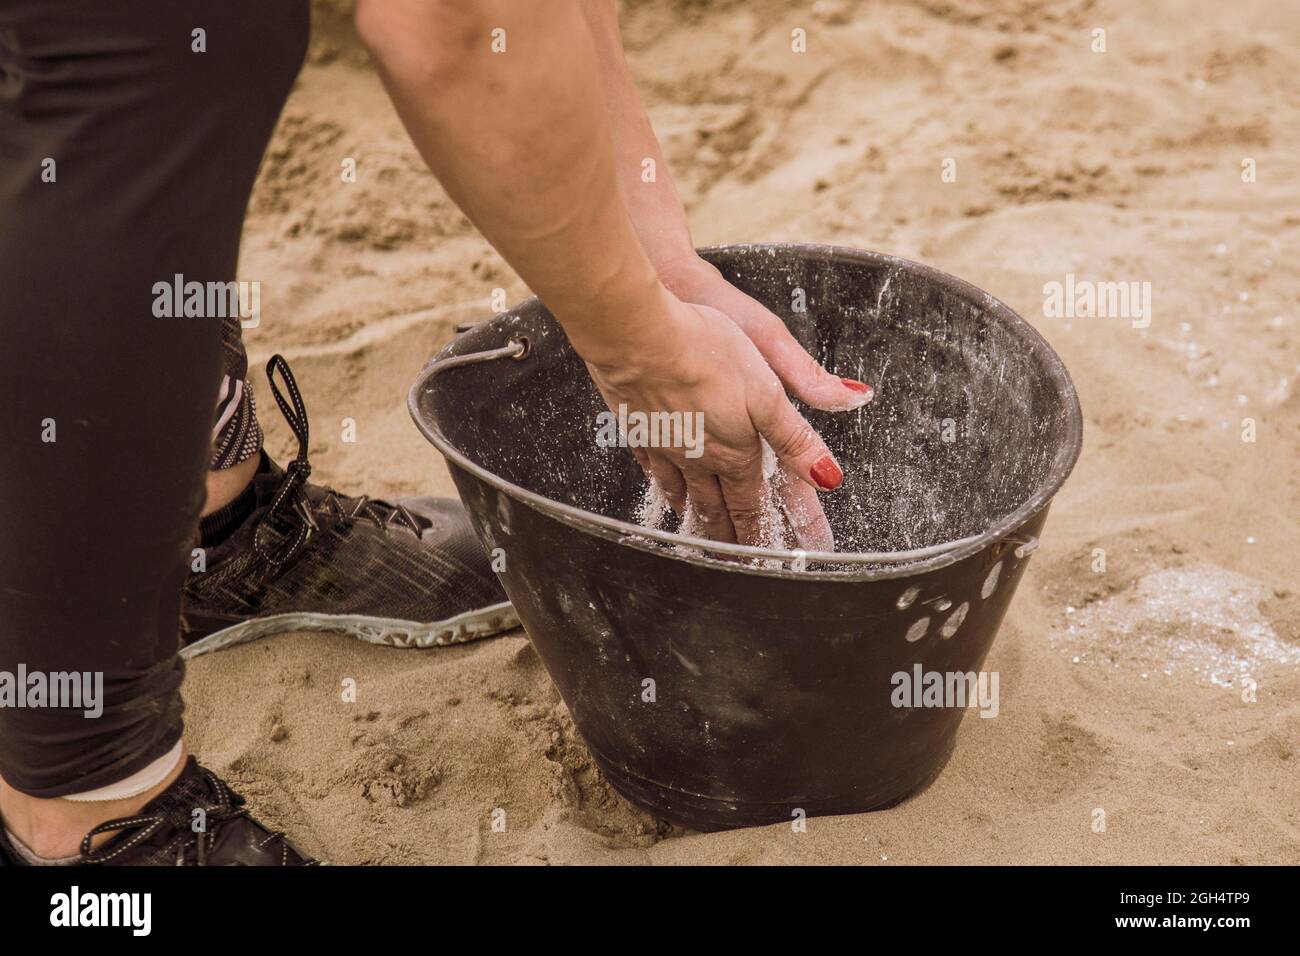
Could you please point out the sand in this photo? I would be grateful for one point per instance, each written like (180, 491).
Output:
(1127, 691)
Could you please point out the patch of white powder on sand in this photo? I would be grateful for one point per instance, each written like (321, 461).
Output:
(1204, 622)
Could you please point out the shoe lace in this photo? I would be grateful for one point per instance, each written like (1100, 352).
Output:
(229, 806)
(291, 500)
(381, 513)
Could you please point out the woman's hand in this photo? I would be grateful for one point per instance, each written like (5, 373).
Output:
(702, 361)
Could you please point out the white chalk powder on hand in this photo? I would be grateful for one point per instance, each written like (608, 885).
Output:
(774, 528)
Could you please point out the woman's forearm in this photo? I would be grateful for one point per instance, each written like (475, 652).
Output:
(643, 175)
(520, 140)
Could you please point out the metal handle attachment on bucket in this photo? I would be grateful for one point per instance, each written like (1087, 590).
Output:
(518, 347)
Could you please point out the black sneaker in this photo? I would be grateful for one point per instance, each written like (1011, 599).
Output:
(406, 574)
(164, 832)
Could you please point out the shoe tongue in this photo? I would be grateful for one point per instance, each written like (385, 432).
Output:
(191, 789)
(270, 477)
(267, 480)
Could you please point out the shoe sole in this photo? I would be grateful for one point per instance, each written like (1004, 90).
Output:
(386, 631)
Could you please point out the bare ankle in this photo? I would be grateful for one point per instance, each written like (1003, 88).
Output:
(53, 828)
(226, 485)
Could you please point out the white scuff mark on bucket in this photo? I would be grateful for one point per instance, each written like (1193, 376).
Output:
(991, 582)
(954, 621)
(692, 668)
(880, 297)
(918, 629)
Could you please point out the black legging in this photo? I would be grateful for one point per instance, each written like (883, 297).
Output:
(126, 157)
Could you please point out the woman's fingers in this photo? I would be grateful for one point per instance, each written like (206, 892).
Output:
(798, 446)
(671, 482)
(643, 460)
(803, 511)
(745, 493)
(710, 507)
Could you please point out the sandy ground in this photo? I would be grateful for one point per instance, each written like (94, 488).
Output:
(1124, 690)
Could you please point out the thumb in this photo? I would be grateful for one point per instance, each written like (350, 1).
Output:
(798, 446)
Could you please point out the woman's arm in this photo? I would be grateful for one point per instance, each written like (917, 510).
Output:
(660, 222)
(521, 140)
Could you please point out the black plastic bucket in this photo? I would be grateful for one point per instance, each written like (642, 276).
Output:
(721, 693)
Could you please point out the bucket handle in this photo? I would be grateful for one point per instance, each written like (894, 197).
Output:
(518, 347)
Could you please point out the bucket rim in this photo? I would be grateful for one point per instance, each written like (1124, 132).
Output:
(648, 540)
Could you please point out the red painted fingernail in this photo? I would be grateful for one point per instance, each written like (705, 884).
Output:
(854, 385)
(827, 474)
